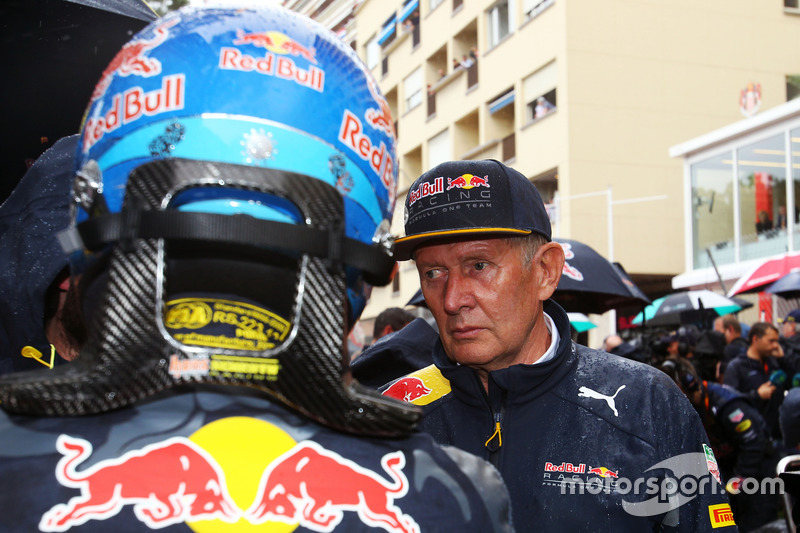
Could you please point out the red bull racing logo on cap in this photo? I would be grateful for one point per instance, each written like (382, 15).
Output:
(230, 475)
(467, 181)
(277, 61)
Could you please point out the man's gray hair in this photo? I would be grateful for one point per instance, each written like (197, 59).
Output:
(529, 245)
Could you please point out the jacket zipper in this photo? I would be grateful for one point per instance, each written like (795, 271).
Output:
(495, 442)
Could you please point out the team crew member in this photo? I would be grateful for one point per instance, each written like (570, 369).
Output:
(224, 242)
(508, 385)
(739, 438)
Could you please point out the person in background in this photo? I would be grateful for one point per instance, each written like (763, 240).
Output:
(739, 438)
(390, 321)
(758, 375)
(220, 279)
(40, 322)
(790, 342)
(508, 384)
(735, 343)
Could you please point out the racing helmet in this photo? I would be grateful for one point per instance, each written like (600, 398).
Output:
(234, 187)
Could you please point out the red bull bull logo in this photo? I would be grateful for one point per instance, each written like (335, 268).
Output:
(131, 60)
(467, 181)
(313, 487)
(603, 472)
(407, 389)
(277, 43)
(167, 483)
(183, 480)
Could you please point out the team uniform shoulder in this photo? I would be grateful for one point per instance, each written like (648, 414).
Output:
(420, 388)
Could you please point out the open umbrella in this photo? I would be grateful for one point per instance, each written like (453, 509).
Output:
(765, 273)
(590, 283)
(55, 52)
(685, 308)
(580, 322)
(787, 287)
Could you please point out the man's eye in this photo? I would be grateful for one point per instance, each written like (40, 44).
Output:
(480, 265)
(431, 274)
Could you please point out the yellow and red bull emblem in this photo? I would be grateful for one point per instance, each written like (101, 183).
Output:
(218, 480)
(467, 181)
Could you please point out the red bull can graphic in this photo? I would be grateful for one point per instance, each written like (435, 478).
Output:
(407, 389)
(131, 60)
(313, 487)
(467, 181)
(168, 482)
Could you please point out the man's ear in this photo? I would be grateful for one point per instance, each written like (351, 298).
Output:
(550, 260)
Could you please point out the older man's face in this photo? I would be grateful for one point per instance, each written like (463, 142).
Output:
(486, 301)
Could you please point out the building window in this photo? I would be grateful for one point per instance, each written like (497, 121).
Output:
(792, 87)
(540, 92)
(439, 149)
(388, 31)
(712, 211)
(373, 53)
(433, 4)
(743, 205)
(762, 197)
(793, 4)
(498, 22)
(412, 89)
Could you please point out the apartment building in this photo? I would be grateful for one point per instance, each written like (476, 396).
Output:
(583, 97)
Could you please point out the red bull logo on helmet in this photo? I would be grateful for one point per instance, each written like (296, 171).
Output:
(467, 181)
(131, 60)
(277, 43)
(131, 105)
(351, 133)
(313, 487)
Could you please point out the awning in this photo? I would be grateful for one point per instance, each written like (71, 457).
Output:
(407, 10)
(389, 27)
(500, 103)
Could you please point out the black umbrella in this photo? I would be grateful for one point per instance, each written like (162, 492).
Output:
(55, 52)
(686, 307)
(786, 287)
(592, 284)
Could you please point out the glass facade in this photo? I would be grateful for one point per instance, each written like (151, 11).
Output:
(713, 210)
(741, 198)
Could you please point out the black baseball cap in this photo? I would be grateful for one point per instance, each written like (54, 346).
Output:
(465, 198)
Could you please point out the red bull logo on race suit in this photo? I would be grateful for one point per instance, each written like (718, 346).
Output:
(179, 480)
(407, 389)
(167, 483)
(313, 487)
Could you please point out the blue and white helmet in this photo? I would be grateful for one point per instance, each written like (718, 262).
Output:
(265, 88)
(235, 180)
